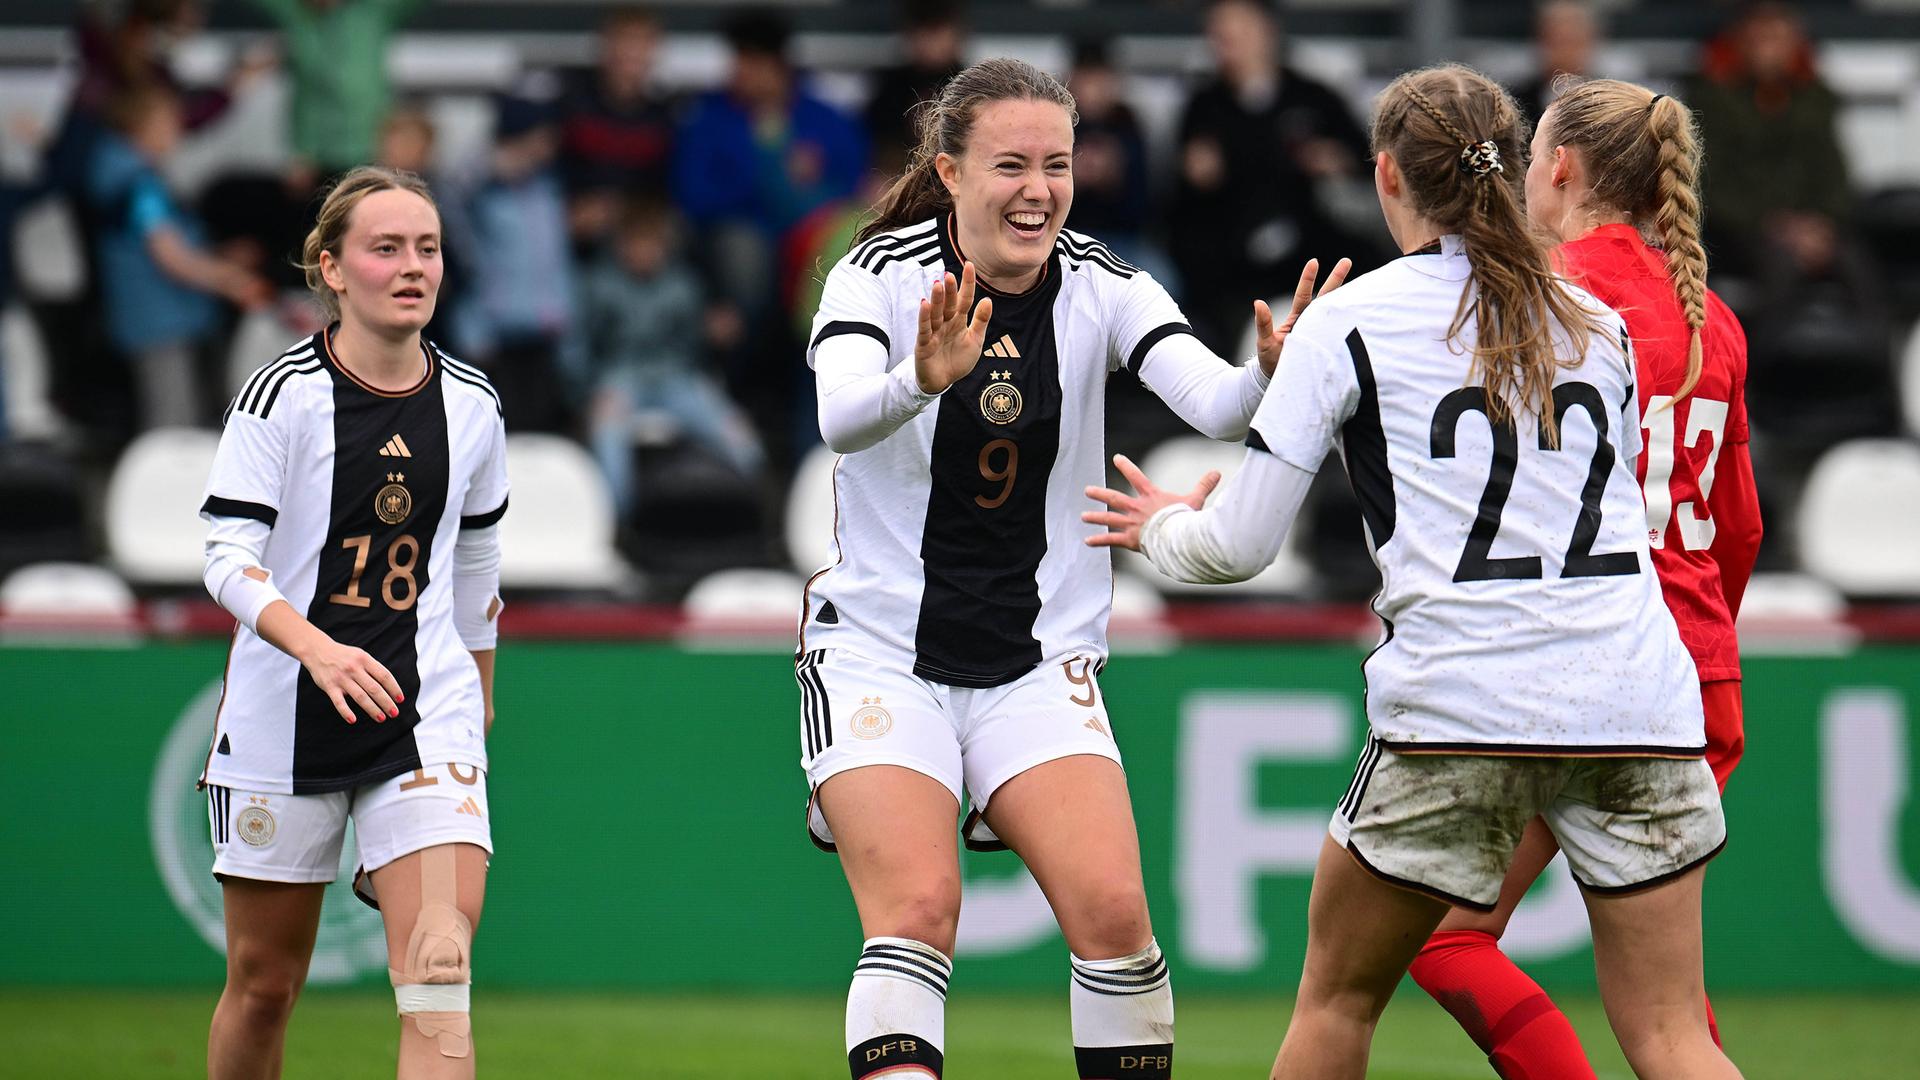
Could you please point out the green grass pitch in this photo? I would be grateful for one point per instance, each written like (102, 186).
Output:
(83, 1035)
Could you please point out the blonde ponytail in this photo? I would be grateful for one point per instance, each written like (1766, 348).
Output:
(1642, 153)
(1452, 130)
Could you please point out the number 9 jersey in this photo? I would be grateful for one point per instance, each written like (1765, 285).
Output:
(361, 494)
(1522, 614)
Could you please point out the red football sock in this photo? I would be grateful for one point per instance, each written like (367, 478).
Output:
(1713, 1026)
(1524, 1035)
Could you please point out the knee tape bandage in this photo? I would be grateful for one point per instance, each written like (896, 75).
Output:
(432, 986)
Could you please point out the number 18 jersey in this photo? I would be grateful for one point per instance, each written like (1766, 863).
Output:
(1521, 610)
(365, 492)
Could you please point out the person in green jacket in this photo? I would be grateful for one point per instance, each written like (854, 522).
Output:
(336, 55)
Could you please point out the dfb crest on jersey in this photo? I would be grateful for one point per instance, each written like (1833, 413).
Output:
(394, 502)
(1000, 401)
(871, 721)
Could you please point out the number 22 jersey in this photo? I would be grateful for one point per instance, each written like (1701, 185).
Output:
(365, 492)
(1521, 610)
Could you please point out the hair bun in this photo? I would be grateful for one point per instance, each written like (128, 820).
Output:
(1481, 158)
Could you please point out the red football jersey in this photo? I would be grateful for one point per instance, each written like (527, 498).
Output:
(1703, 515)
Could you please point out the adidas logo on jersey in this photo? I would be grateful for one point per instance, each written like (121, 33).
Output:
(470, 807)
(396, 447)
(1093, 724)
(1003, 348)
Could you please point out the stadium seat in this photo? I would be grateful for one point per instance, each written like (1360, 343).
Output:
(65, 589)
(810, 511)
(1178, 464)
(154, 532)
(50, 256)
(1910, 381)
(258, 339)
(558, 532)
(1859, 515)
(26, 372)
(746, 593)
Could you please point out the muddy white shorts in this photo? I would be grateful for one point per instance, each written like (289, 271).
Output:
(1447, 824)
(297, 838)
(855, 712)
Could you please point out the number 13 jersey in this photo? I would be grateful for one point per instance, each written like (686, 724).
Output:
(1521, 610)
(365, 492)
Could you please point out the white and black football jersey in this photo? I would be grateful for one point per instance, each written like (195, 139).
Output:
(365, 492)
(1522, 611)
(958, 537)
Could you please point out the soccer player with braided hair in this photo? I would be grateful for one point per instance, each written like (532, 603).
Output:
(1615, 177)
(1485, 410)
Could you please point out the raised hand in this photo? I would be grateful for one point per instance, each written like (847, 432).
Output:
(949, 343)
(1126, 514)
(1268, 338)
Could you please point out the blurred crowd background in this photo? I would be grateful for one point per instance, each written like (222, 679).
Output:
(640, 203)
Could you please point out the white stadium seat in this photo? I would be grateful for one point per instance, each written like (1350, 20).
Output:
(746, 594)
(1177, 465)
(65, 590)
(810, 511)
(1909, 376)
(1859, 517)
(559, 528)
(154, 532)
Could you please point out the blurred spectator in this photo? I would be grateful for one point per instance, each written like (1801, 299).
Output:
(752, 161)
(642, 340)
(509, 232)
(1565, 36)
(337, 55)
(1256, 142)
(1775, 180)
(1111, 197)
(125, 46)
(932, 33)
(160, 284)
(616, 126)
(406, 140)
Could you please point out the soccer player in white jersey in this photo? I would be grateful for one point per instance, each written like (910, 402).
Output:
(1486, 412)
(954, 643)
(353, 509)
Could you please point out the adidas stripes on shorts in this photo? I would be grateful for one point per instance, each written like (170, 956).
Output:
(297, 838)
(855, 711)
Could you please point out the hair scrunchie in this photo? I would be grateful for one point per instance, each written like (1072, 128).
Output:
(1481, 158)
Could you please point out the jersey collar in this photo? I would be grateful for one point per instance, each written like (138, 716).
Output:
(326, 342)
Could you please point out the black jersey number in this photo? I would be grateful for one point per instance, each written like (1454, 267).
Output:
(399, 588)
(1476, 563)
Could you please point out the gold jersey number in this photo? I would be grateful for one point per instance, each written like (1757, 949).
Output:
(402, 556)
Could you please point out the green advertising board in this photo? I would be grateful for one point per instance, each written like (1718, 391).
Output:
(653, 793)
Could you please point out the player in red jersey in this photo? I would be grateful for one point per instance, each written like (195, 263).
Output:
(1615, 164)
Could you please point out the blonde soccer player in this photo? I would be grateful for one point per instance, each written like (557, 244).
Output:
(951, 652)
(352, 515)
(1487, 415)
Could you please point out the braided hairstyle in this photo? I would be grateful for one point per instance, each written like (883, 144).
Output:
(1642, 153)
(1452, 130)
(944, 122)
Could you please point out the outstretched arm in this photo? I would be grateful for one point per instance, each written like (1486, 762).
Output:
(1232, 539)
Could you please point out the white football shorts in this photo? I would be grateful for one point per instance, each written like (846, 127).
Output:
(297, 838)
(1447, 824)
(855, 712)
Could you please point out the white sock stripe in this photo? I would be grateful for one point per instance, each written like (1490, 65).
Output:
(924, 956)
(1122, 982)
(911, 947)
(897, 962)
(888, 971)
(932, 973)
(442, 997)
(1122, 969)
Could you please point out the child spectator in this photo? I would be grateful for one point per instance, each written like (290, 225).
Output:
(159, 283)
(642, 339)
(510, 236)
